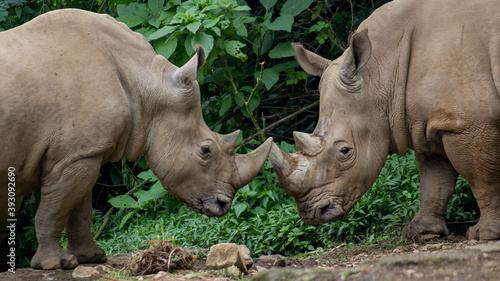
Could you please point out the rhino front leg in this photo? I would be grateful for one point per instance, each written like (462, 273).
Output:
(80, 241)
(62, 191)
(437, 184)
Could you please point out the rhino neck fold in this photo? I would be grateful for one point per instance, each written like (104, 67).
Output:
(140, 73)
(391, 29)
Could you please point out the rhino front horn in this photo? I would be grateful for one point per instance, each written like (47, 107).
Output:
(249, 165)
(284, 165)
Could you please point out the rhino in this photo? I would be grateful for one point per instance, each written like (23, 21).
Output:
(423, 75)
(79, 89)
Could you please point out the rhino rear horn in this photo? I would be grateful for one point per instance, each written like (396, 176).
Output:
(307, 144)
(249, 165)
(228, 142)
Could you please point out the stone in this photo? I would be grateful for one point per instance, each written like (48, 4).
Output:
(302, 274)
(273, 260)
(431, 257)
(83, 272)
(245, 255)
(161, 274)
(486, 248)
(225, 255)
(433, 247)
(260, 268)
(234, 270)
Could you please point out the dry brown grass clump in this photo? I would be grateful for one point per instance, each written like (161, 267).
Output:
(163, 255)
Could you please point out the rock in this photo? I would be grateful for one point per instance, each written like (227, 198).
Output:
(273, 260)
(234, 270)
(432, 257)
(429, 236)
(302, 274)
(83, 272)
(245, 255)
(486, 248)
(431, 247)
(225, 255)
(260, 268)
(161, 274)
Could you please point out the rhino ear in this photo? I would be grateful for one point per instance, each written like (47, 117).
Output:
(188, 72)
(358, 54)
(310, 62)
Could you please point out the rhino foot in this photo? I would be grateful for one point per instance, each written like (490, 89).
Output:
(46, 262)
(96, 256)
(424, 225)
(86, 252)
(484, 230)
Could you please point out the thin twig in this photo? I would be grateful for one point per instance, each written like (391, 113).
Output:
(279, 122)
(169, 256)
(105, 218)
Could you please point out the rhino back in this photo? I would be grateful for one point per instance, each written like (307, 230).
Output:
(62, 95)
(441, 61)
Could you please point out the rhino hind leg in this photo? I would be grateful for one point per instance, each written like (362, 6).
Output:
(476, 156)
(437, 185)
(80, 241)
(61, 194)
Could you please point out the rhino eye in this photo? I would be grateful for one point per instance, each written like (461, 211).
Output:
(205, 149)
(345, 150)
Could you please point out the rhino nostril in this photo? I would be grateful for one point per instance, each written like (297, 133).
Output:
(331, 212)
(223, 202)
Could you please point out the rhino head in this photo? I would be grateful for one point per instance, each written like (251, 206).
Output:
(193, 163)
(337, 163)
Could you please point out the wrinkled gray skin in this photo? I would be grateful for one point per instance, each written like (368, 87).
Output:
(418, 74)
(79, 89)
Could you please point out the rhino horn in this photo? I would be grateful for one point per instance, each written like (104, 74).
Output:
(284, 164)
(249, 165)
(228, 142)
(307, 144)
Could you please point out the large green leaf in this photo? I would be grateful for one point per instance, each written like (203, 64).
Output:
(269, 77)
(131, 20)
(155, 192)
(126, 218)
(166, 46)
(295, 7)
(194, 26)
(147, 175)
(156, 6)
(268, 4)
(283, 22)
(282, 50)
(227, 102)
(166, 30)
(233, 48)
(122, 202)
(239, 207)
(205, 40)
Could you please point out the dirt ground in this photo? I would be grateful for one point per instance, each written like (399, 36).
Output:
(451, 258)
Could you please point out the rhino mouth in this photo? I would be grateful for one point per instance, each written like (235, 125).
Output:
(323, 211)
(215, 207)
